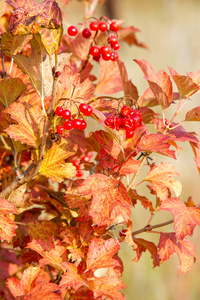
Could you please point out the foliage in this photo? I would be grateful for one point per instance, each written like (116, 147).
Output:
(67, 197)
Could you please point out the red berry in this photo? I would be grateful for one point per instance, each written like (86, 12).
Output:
(129, 133)
(76, 123)
(125, 111)
(94, 51)
(115, 46)
(83, 125)
(118, 121)
(86, 33)
(66, 114)
(129, 123)
(106, 56)
(109, 121)
(79, 173)
(103, 26)
(68, 125)
(114, 26)
(59, 111)
(57, 74)
(72, 30)
(112, 39)
(122, 233)
(94, 26)
(89, 111)
(105, 50)
(60, 129)
(83, 107)
(114, 56)
(138, 117)
(76, 163)
(97, 58)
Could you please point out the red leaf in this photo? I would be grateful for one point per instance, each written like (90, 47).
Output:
(161, 180)
(127, 34)
(7, 229)
(109, 78)
(128, 87)
(71, 278)
(185, 218)
(168, 245)
(159, 83)
(6, 207)
(110, 203)
(186, 86)
(144, 245)
(44, 291)
(156, 143)
(100, 254)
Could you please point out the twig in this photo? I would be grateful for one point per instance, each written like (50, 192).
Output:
(150, 227)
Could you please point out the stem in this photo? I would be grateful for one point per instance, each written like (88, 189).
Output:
(150, 227)
(136, 174)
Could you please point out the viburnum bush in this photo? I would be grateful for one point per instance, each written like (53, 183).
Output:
(67, 197)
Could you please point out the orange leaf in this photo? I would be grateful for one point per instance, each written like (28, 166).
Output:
(110, 203)
(44, 291)
(100, 254)
(7, 207)
(130, 166)
(42, 229)
(185, 85)
(161, 180)
(108, 286)
(156, 143)
(54, 166)
(144, 245)
(196, 150)
(7, 229)
(109, 78)
(15, 287)
(185, 218)
(29, 129)
(127, 34)
(10, 90)
(193, 114)
(159, 83)
(71, 278)
(168, 245)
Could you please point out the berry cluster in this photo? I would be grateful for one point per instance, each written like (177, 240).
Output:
(72, 123)
(77, 163)
(107, 52)
(128, 119)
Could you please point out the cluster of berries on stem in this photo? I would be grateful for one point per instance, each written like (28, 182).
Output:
(70, 123)
(128, 119)
(108, 51)
(78, 161)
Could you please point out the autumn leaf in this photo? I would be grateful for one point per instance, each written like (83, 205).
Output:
(185, 218)
(128, 87)
(51, 252)
(7, 207)
(144, 245)
(30, 127)
(108, 286)
(110, 203)
(185, 85)
(109, 78)
(196, 149)
(54, 166)
(156, 143)
(10, 90)
(71, 278)
(128, 35)
(7, 226)
(12, 44)
(42, 229)
(130, 166)
(100, 254)
(159, 83)
(161, 178)
(146, 203)
(193, 114)
(45, 291)
(185, 250)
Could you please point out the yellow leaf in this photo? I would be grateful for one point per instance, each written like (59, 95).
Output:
(54, 166)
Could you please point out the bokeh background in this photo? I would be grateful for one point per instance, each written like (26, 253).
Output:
(171, 30)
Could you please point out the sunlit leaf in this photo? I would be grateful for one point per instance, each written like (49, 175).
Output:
(10, 90)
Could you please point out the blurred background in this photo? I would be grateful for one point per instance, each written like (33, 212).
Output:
(171, 30)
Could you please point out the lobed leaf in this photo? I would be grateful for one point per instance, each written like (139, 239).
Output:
(71, 278)
(185, 250)
(144, 245)
(185, 218)
(53, 165)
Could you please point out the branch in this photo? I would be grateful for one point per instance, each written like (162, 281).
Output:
(151, 227)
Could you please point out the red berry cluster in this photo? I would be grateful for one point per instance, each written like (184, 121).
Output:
(77, 163)
(107, 52)
(128, 119)
(72, 123)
